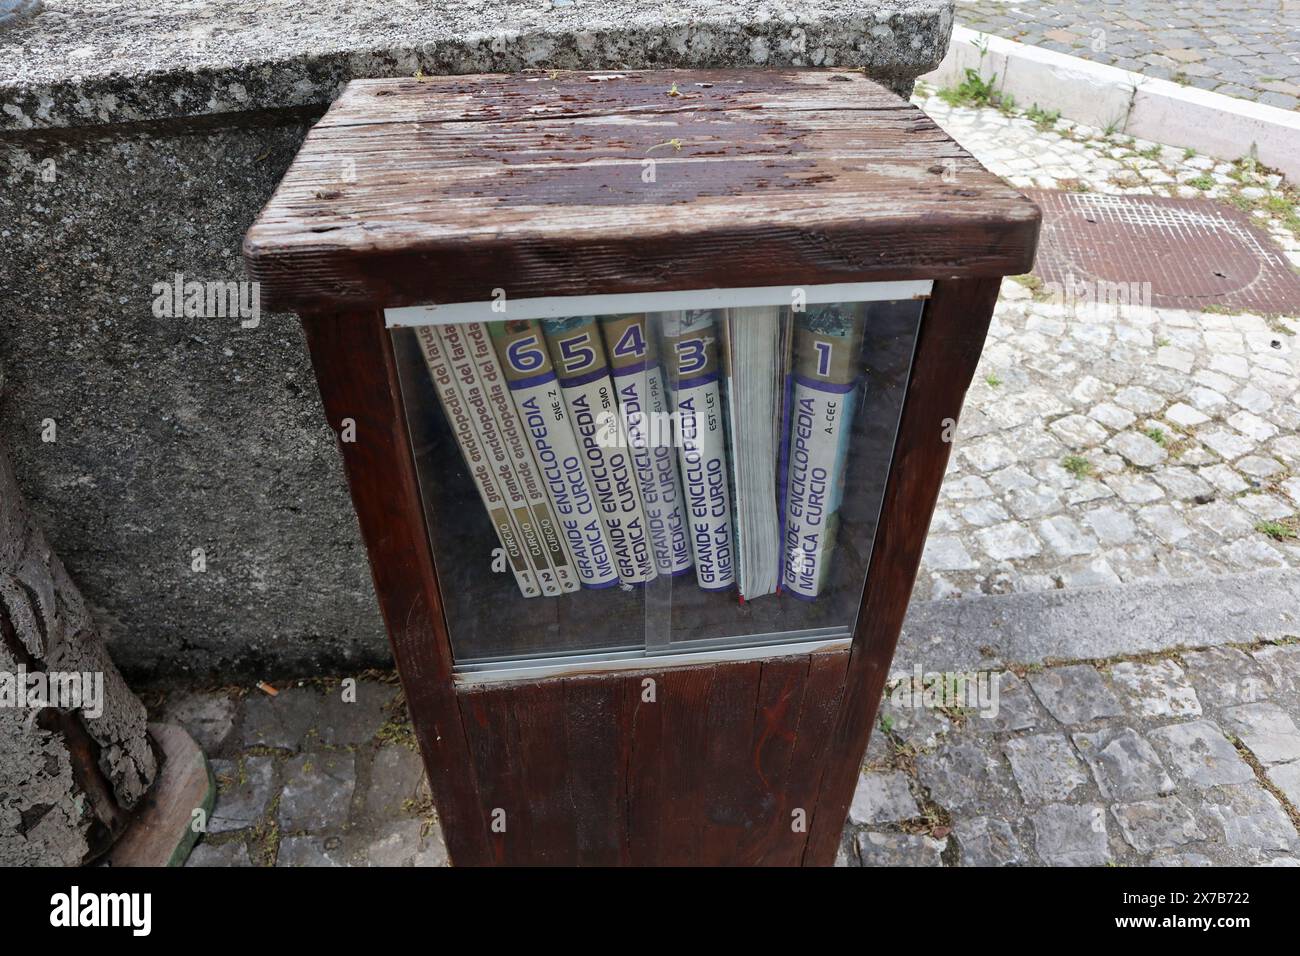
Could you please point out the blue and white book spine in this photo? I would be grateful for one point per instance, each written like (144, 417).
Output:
(827, 348)
(545, 416)
(691, 362)
(579, 359)
(643, 404)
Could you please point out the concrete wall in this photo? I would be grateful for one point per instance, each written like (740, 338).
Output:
(175, 434)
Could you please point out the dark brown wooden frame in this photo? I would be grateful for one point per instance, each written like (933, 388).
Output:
(731, 755)
(800, 724)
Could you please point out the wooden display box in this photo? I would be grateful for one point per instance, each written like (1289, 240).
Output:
(666, 722)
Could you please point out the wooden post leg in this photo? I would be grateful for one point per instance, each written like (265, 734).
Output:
(948, 348)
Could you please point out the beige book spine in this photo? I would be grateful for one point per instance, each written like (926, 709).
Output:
(520, 450)
(474, 394)
(476, 461)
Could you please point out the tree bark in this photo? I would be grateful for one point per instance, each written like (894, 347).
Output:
(68, 779)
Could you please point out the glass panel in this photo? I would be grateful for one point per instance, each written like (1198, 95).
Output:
(657, 482)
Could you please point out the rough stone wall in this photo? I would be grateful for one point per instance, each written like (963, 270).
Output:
(67, 777)
(175, 433)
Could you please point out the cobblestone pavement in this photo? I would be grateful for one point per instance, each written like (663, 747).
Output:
(1181, 760)
(1108, 446)
(1244, 48)
(309, 778)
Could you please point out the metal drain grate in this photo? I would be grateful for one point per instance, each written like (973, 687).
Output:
(1194, 252)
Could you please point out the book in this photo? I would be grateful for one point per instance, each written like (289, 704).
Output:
(520, 450)
(579, 359)
(476, 461)
(690, 351)
(537, 397)
(825, 380)
(753, 372)
(474, 395)
(643, 405)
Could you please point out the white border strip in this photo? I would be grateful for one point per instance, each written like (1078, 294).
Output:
(1142, 106)
(552, 666)
(554, 307)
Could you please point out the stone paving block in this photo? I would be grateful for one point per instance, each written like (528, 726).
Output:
(1156, 824)
(403, 843)
(882, 797)
(1251, 818)
(244, 789)
(311, 851)
(1140, 400)
(1078, 432)
(1045, 767)
(234, 853)
(208, 716)
(395, 775)
(1282, 664)
(1124, 765)
(1137, 449)
(1286, 777)
(1224, 676)
(1165, 523)
(967, 776)
(1185, 416)
(879, 748)
(1252, 554)
(947, 553)
(317, 791)
(1182, 484)
(1094, 572)
(1198, 752)
(981, 514)
(899, 849)
(988, 841)
(919, 727)
(1076, 694)
(1222, 519)
(1155, 689)
(281, 721)
(1180, 859)
(1266, 729)
(1111, 525)
(1016, 708)
(1006, 541)
(1072, 835)
(1065, 538)
(1134, 490)
(308, 718)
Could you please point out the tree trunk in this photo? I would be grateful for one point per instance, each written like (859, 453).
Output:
(68, 777)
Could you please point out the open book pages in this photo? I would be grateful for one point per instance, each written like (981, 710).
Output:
(753, 378)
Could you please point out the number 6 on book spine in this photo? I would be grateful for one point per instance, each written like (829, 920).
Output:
(540, 403)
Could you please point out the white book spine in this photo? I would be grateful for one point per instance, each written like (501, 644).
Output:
(827, 343)
(475, 397)
(462, 426)
(643, 404)
(691, 358)
(540, 402)
(520, 449)
(579, 360)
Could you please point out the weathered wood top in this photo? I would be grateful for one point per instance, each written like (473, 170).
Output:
(444, 189)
